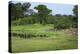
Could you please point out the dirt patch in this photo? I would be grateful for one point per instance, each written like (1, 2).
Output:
(72, 31)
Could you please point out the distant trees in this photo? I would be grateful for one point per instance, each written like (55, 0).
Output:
(67, 21)
(58, 15)
(43, 12)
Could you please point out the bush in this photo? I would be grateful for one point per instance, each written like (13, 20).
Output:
(62, 23)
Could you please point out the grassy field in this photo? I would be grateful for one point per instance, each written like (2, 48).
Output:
(56, 40)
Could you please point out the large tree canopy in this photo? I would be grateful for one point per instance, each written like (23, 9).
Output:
(43, 12)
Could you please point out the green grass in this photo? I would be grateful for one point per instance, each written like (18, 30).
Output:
(57, 40)
(32, 27)
(55, 43)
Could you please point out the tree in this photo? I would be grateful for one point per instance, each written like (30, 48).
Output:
(62, 22)
(29, 12)
(17, 10)
(75, 10)
(43, 12)
(25, 7)
(58, 15)
(75, 19)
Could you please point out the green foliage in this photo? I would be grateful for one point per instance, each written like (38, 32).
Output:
(75, 19)
(63, 22)
(24, 21)
(75, 10)
(25, 6)
(18, 9)
(43, 12)
(58, 15)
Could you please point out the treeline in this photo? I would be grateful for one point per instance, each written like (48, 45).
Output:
(22, 15)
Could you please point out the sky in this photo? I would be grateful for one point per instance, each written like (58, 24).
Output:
(63, 9)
